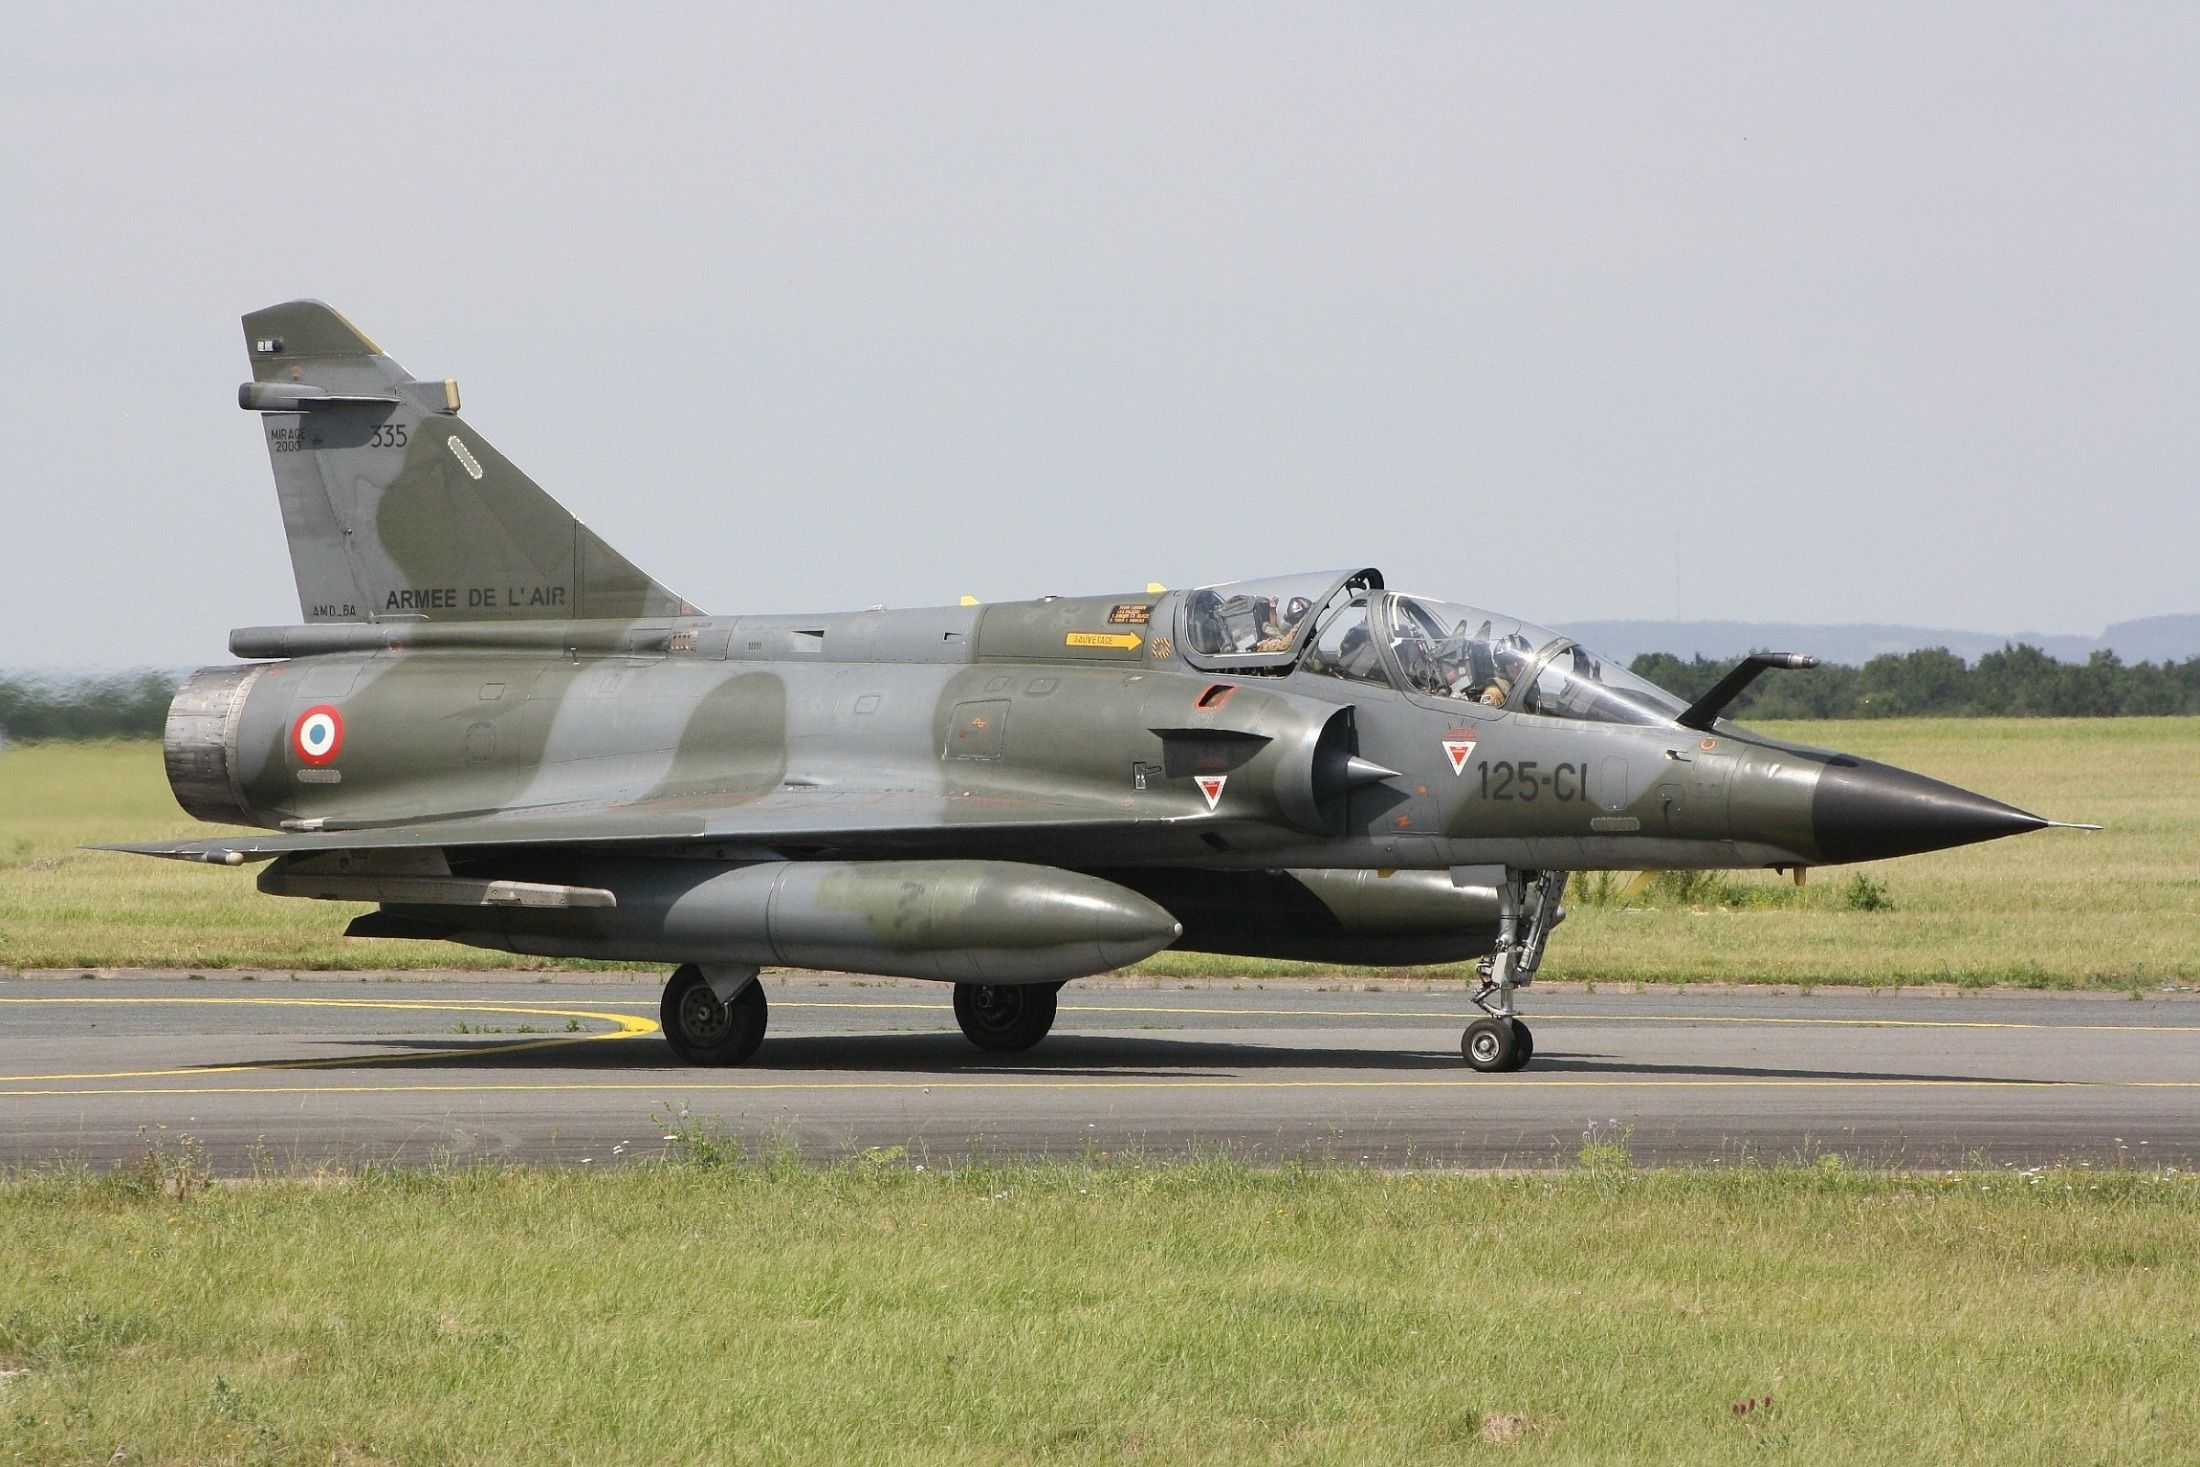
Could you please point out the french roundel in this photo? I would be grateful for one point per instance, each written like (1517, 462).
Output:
(318, 734)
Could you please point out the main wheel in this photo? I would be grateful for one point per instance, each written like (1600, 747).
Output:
(704, 1031)
(1493, 1046)
(1527, 1042)
(1004, 1017)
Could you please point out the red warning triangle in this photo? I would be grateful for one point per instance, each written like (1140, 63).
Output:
(1211, 785)
(1457, 751)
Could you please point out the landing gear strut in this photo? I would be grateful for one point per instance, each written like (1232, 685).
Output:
(714, 1015)
(1005, 1017)
(1527, 909)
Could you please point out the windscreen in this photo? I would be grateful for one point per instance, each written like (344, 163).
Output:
(1576, 683)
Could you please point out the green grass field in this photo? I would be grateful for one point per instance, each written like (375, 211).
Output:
(2117, 909)
(1207, 1312)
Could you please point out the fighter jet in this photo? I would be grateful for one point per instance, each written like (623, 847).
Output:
(499, 731)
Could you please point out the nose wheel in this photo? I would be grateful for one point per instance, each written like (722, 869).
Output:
(714, 1015)
(1495, 1046)
(1527, 909)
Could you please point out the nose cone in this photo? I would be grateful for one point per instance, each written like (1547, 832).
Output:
(1864, 812)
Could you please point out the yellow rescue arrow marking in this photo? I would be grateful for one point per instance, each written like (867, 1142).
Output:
(1127, 641)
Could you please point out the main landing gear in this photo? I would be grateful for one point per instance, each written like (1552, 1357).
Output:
(1527, 909)
(714, 1015)
(1005, 1017)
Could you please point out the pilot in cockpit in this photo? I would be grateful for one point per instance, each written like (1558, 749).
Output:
(1277, 628)
(1245, 622)
(1476, 666)
(1508, 660)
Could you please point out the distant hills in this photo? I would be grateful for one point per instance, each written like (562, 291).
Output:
(2151, 639)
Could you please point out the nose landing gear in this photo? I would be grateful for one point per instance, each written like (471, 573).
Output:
(1527, 909)
(1494, 1046)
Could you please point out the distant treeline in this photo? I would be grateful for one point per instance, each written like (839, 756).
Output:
(2019, 682)
(128, 705)
(2016, 682)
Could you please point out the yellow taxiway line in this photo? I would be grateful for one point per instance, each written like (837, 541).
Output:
(628, 1026)
(676, 1085)
(625, 1026)
(631, 1024)
(1545, 1018)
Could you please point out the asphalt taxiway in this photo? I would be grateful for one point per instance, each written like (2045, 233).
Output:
(349, 1069)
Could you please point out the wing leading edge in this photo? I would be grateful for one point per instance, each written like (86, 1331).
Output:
(878, 821)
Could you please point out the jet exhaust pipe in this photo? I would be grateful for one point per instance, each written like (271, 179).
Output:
(199, 745)
(997, 922)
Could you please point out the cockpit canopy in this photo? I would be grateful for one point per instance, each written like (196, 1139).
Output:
(1347, 626)
(1246, 619)
(1451, 651)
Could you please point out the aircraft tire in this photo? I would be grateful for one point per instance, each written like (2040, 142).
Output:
(1004, 1017)
(1527, 1042)
(1493, 1046)
(703, 1031)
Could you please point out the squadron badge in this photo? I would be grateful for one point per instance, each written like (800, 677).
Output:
(1458, 746)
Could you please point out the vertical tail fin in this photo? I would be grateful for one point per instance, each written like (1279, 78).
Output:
(397, 510)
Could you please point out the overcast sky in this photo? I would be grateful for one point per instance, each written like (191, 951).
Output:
(1830, 313)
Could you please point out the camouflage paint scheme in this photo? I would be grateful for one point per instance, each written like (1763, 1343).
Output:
(499, 729)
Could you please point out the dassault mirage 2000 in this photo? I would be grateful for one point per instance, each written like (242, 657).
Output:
(499, 731)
